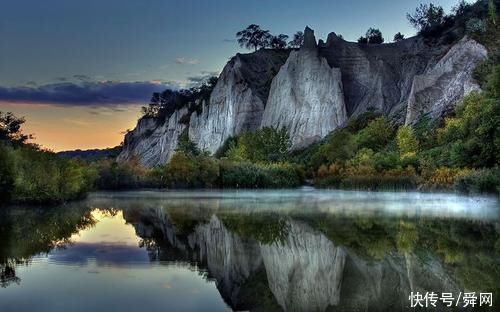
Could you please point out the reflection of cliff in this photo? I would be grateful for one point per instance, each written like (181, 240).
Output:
(304, 270)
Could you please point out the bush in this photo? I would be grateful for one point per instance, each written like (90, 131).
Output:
(340, 146)
(479, 181)
(190, 171)
(42, 176)
(267, 144)
(407, 142)
(472, 136)
(475, 25)
(376, 135)
(6, 174)
(114, 175)
(250, 175)
(444, 178)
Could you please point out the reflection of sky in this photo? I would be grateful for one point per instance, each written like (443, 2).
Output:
(105, 270)
(110, 242)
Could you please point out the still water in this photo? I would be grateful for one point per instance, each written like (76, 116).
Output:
(297, 250)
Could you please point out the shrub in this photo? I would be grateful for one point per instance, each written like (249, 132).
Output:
(250, 175)
(444, 178)
(267, 144)
(479, 181)
(42, 176)
(6, 174)
(475, 25)
(376, 135)
(340, 146)
(407, 142)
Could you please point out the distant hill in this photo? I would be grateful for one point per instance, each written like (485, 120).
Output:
(92, 154)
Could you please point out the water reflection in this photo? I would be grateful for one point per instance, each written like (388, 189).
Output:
(289, 250)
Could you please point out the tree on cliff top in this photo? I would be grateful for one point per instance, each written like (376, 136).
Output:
(373, 36)
(253, 37)
(297, 41)
(278, 42)
(426, 17)
(398, 37)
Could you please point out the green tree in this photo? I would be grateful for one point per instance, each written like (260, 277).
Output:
(398, 37)
(472, 136)
(10, 129)
(426, 17)
(278, 42)
(406, 141)
(185, 145)
(340, 146)
(297, 41)
(6, 174)
(492, 12)
(266, 144)
(253, 37)
(376, 135)
(374, 36)
(363, 40)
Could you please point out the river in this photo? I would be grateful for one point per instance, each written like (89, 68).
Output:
(294, 250)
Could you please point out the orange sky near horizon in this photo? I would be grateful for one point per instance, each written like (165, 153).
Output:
(61, 128)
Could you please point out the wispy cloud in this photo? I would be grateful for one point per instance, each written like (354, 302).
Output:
(202, 77)
(85, 92)
(181, 60)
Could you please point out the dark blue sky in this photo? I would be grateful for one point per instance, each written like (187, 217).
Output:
(172, 41)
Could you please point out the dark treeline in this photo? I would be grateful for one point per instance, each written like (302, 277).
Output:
(31, 174)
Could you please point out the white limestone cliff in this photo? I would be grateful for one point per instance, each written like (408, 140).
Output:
(306, 96)
(441, 86)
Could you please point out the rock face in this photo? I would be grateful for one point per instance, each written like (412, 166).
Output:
(238, 100)
(153, 143)
(437, 90)
(306, 96)
(314, 90)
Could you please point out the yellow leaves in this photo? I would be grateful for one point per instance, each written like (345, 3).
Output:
(407, 142)
(445, 177)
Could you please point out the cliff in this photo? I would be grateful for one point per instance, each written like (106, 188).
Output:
(314, 90)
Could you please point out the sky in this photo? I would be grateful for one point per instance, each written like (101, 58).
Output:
(78, 71)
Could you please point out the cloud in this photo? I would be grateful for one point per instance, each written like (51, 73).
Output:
(181, 60)
(82, 77)
(196, 80)
(202, 77)
(85, 92)
(228, 40)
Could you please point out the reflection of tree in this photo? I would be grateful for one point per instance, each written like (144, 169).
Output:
(407, 237)
(266, 228)
(26, 232)
(466, 248)
(8, 272)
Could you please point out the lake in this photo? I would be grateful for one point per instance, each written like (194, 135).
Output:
(294, 250)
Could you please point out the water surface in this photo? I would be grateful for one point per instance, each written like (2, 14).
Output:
(299, 250)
